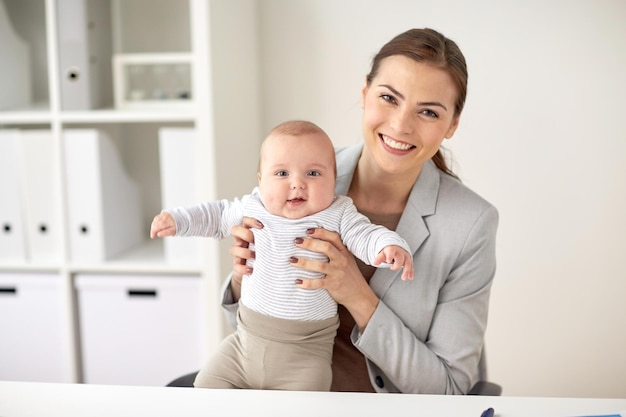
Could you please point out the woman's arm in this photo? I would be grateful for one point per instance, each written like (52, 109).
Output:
(411, 347)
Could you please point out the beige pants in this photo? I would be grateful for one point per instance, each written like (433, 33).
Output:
(271, 353)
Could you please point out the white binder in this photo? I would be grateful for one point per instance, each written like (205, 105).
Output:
(85, 54)
(176, 158)
(12, 242)
(40, 193)
(103, 201)
(15, 82)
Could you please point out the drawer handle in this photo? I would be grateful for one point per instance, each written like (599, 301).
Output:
(8, 290)
(142, 293)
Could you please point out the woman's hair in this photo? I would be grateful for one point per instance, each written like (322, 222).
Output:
(430, 47)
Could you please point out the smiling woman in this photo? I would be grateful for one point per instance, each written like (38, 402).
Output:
(537, 137)
(425, 335)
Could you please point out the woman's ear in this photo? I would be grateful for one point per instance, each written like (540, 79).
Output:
(363, 93)
(452, 128)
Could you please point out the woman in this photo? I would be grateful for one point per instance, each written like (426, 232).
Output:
(426, 335)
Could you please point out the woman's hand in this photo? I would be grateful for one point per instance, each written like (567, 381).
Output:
(342, 280)
(241, 253)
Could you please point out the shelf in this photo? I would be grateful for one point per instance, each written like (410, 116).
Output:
(35, 115)
(29, 267)
(30, 117)
(146, 258)
(127, 116)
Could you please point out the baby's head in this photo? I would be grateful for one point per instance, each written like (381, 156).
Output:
(297, 170)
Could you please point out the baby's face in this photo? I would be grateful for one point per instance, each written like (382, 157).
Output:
(297, 174)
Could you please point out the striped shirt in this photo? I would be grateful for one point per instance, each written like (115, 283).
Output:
(271, 288)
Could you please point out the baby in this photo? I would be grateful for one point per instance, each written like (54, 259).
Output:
(285, 334)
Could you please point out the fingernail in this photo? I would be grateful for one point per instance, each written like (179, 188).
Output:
(293, 260)
(249, 270)
(298, 281)
(299, 240)
(258, 223)
(310, 231)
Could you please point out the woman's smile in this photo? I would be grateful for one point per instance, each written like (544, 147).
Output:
(395, 145)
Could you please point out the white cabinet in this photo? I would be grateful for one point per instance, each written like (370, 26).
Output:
(179, 74)
(34, 328)
(139, 330)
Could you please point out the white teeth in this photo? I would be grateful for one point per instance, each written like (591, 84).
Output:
(396, 145)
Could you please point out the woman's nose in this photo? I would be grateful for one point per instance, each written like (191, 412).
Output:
(402, 121)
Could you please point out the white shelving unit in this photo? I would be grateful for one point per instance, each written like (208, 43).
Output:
(197, 29)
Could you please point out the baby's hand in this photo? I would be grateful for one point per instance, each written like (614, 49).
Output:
(162, 225)
(397, 258)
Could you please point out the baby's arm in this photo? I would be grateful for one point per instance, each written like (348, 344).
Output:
(398, 258)
(162, 225)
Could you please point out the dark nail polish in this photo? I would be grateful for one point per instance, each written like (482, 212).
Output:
(299, 240)
(298, 281)
(293, 260)
(310, 231)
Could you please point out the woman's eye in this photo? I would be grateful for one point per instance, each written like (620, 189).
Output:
(429, 113)
(314, 173)
(389, 98)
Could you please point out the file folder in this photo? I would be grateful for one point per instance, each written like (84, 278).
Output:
(85, 53)
(15, 86)
(103, 201)
(12, 243)
(40, 193)
(176, 159)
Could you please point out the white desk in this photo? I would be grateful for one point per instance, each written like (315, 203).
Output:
(26, 399)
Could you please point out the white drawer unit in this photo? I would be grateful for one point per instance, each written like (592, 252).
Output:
(139, 330)
(34, 333)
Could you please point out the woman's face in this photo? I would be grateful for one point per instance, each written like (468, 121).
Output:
(408, 109)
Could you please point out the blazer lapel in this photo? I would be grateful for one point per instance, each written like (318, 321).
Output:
(412, 226)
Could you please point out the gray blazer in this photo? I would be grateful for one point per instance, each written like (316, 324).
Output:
(426, 335)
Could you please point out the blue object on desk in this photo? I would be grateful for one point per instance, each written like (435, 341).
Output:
(487, 413)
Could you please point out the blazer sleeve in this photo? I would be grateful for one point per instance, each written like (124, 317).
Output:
(445, 361)
(228, 304)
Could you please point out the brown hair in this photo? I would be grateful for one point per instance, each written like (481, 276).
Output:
(431, 47)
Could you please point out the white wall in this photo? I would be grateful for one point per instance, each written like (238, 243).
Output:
(542, 137)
